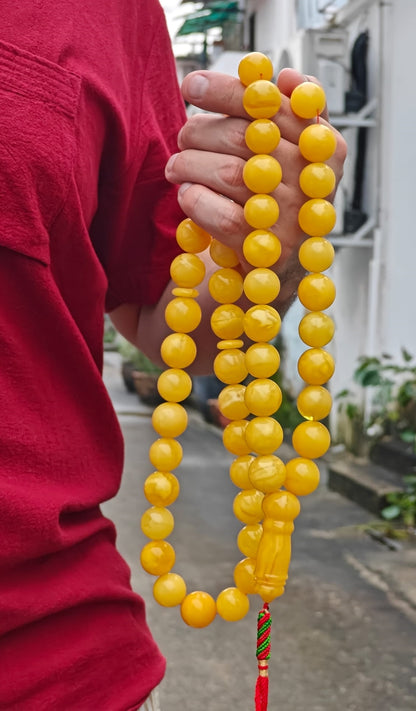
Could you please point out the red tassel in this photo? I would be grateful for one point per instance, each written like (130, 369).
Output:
(262, 693)
(264, 623)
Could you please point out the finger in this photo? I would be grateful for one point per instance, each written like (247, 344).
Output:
(216, 133)
(221, 172)
(220, 217)
(215, 92)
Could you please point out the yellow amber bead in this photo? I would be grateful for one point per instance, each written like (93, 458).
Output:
(239, 471)
(262, 136)
(314, 402)
(317, 217)
(187, 270)
(231, 402)
(311, 439)
(317, 143)
(230, 366)
(226, 286)
(157, 557)
(262, 173)
(307, 100)
(302, 476)
(316, 366)
(316, 329)
(247, 506)
(233, 437)
(261, 211)
(191, 237)
(183, 315)
(253, 66)
(227, 321)
(262, 323)
(316, 292)
(161, 488)
(262, 248)
(317, 180)
(248, 539)
(263, 397)
(185, 293)
(267, 473)
(169, 419)
(316, 254)
(169, 590)
(232, 343)
(174, 385)
(281, 506)
(222, 255)
(157, 523)
(262, 360)
(165, 454)
(198, 609)
(232, 604)
(263, 435)
(178, 350)
(244, 576)
(261, 286)
(262, 99)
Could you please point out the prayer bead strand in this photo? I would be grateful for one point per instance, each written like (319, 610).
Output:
(266, 509)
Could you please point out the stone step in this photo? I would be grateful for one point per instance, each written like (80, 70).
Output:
(395, 455)
(362, 481)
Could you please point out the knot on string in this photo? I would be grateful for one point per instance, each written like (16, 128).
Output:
(264, 623)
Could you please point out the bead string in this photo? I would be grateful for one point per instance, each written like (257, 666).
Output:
(253, 434)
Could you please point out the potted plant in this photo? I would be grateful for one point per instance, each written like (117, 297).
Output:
(139, 374)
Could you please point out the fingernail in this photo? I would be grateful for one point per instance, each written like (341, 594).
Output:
(183, 188)
(171, 161)
(197, 86)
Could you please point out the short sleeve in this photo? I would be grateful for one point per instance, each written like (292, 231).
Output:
(134, 229)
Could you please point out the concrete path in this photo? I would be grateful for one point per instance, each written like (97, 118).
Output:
(344, 633)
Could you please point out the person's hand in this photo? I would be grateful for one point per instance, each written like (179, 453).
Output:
(210, 165)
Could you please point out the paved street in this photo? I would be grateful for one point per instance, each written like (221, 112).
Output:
(344, 633)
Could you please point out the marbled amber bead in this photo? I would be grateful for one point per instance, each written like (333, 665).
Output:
(157, 557)
(232, 604)
(314, 402)
(317, 217)
(227, 321)
(161, 488)
(262, 99)
(302, 476)
(261, 211)
(316, 292)
(178, 350)
(169, 590)
(262, 360)
(165, 454)
(261, 286)
(187, 270)
(317, 180)
(226, 285)
(316, 329)
(174, 385)
(244, 576)
(157, 523)
(316, 366)
(263, 435)
(223, 255)
(198, 609)
(262, 323)
(254, 66)
(170, 419)
(247, 506)
(311, 439)
(262, 248)
(263, 397)
(316, 254)
(230, 366)
(191, 237)
(267, 473)
(248, 539)
(262, 136)
(262, 173)
(234, 439)
(239, 469)
(231, 402)
(183, 315)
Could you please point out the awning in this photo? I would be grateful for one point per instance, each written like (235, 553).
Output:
(213, 14)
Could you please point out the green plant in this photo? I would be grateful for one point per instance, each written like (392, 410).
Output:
(402, 504)
(391, 402)
(137, 358)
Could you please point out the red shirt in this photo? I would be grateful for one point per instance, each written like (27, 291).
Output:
(89, 113)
